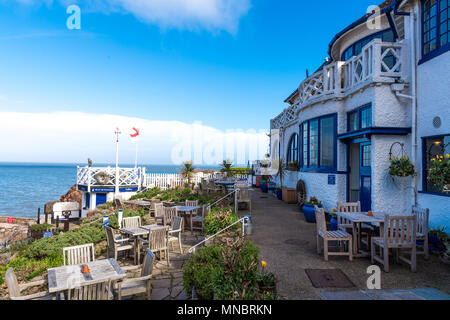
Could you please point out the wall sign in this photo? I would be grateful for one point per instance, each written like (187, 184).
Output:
(332, 179)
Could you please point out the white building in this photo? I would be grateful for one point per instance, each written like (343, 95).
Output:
(385, 85)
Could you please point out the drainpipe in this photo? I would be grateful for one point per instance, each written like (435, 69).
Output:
(412, 18)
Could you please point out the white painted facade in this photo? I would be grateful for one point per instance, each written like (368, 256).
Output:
(340, 87)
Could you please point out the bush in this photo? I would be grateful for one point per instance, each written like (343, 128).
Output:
(223, 272)
(149, 194)
(41, 228)
(220, 218)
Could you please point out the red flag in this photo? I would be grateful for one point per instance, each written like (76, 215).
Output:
(136, 134)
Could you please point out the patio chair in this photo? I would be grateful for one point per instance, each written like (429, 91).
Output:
(175, 232)
(159, 213)
(212, 187)
(15, 289)
(78, 254)
(152, 208)
(197, 221)
(344, 224)
(139, 285)
(131, 222)
(423, 216)
(244, 197)
(117, 245)
(191, 203)
(399, 233)
(92, 291)
(157, 242)
(327, 236)
(169, 213)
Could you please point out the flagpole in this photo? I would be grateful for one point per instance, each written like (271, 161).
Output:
(136, 159)
(116, 191)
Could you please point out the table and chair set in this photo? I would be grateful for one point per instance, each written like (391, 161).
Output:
(377, 235)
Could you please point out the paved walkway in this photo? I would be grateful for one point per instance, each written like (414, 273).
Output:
(288, 244)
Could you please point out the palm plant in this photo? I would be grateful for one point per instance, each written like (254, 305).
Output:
(226, 167)
(280, 166)
(187, 171)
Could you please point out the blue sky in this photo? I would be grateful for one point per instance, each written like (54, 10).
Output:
(229, 64)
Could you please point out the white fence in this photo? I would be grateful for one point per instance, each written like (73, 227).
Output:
(106, 176)
(173, 180)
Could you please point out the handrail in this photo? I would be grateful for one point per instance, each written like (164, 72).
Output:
(223, 198)
(242, 220)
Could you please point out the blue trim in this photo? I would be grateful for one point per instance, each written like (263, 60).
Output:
(367, 132)
(435, 194)
(288, 159)
(82, 188)
(439, 49)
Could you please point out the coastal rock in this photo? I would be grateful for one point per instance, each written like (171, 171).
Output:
(73, 195)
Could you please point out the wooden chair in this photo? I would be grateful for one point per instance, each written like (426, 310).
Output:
(117, 245)
(327, 236)
(157, 242)
(92, 291)
(191, 203)
(139, 285)
(197, 221)
(423, 216)
(175, 232)
(78, 254)
(131, 222)
(169, 213)
(244, 197)
(159, 213)
(15, 289)
(399, 233)
(344, 224)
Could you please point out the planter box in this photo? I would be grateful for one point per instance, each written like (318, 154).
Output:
(289, 195)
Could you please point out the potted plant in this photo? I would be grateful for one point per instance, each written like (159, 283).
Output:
(279, 193)
(333, 220)
(401, 167)
(293, 166)
(437, 238)
(267, 282)
(309, 211)
(226, 168)
(263, 185)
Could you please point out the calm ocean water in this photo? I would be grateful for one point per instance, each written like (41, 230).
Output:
(25, 187)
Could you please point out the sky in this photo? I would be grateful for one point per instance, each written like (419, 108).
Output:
(223, 65)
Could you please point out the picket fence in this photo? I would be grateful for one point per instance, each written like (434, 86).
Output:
(172, 180)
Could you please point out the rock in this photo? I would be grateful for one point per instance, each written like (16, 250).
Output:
(73, 195)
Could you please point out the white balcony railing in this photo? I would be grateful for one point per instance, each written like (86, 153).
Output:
(378, 62)
(106, 176)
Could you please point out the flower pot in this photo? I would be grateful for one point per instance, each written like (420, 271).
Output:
(279, 194)
(264, 187)
(310, 213)
(271, 186)
(334, 223)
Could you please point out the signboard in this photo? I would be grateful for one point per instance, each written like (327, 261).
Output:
(332, 179)
(10, 220)
(102, 189)
(128, 189)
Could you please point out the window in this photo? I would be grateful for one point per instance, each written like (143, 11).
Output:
(366, 155)
(435, 147)
(293, 149)
(360, 118)
(356, 48)
(319, 143)
(435, 26)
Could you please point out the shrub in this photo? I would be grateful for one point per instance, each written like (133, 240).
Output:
(149, 194)
(40, 228)
(220, 218)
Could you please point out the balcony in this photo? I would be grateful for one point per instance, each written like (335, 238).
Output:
(379, 62)
(106, 177)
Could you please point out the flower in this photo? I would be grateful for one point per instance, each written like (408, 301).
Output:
(447, 156)
(263, 264)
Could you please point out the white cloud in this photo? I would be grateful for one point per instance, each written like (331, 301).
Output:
(73, 137)
(212, 15)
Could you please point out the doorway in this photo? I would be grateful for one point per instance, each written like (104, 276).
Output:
(360, 174)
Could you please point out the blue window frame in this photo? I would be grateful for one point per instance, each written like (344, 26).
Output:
(356, 48)
(292, 154)
(435, 28)
(431, 148)
(361, 118)
(319, 144)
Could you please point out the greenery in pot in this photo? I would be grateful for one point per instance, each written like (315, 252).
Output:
(439, 170)
(281, 170)
(401, 167)
(226, 167)
(440, 233)
(293, 165)
(313, 201)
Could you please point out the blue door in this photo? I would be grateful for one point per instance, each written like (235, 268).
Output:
(88, 200)
(100, 199)
(365, 173)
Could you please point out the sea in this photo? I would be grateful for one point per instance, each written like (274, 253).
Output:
(25, 187)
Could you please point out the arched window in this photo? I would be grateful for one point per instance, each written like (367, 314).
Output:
(292, 154)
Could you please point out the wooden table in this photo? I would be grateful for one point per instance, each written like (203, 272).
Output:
(357, 219)
(69, 277)
(138, 232)
(188, 211)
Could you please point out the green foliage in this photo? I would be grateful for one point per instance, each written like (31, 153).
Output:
(30, 267)
(220, 218)
(313, 201)
(439, 170)
(40, 228)
(226, 167)
(148, 194)
(440, 233)
(240, 171)
(221, 272)
(401, 167)
(16, 246)
(187, 171)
